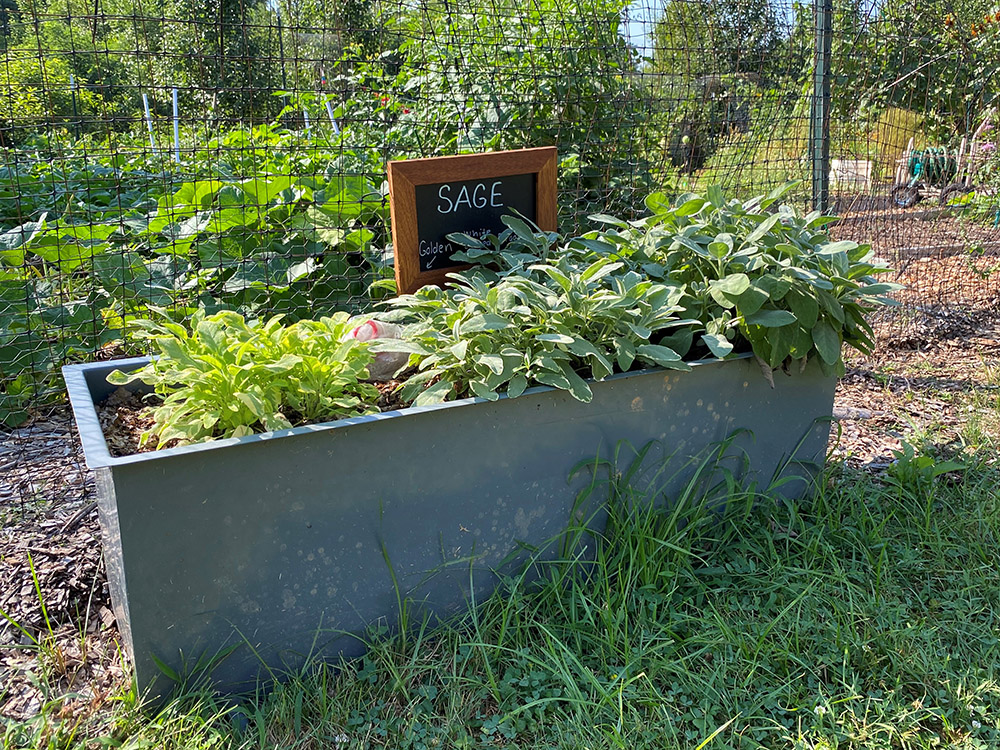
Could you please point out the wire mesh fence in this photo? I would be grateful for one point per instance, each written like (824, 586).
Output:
(213, 154)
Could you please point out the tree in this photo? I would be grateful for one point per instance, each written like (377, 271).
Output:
(316, 34)
(938, 58)
(10, 14)
(747, 35)
(695, 38)
(219, 49)
(683, 44)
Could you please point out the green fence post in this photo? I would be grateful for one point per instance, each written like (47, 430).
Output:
(819, 121)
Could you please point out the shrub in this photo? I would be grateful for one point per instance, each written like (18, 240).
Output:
(39, 94)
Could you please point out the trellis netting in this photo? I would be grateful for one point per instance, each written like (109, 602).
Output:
(187, 154)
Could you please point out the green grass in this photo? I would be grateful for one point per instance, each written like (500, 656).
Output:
(866, 617)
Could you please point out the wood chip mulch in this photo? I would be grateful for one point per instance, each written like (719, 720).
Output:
(50, 535)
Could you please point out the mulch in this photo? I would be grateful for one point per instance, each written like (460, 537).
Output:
(932, 355)
(50, 552)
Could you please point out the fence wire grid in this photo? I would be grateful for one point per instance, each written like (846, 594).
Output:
(231, 153)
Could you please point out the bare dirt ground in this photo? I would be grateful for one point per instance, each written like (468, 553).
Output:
(935, 376)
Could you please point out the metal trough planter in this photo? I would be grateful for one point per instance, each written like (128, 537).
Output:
(287, 544)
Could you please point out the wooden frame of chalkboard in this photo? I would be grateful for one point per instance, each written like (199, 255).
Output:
(429, 198)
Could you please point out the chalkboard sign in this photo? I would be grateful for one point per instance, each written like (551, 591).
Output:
(474, 205)
(431, 198)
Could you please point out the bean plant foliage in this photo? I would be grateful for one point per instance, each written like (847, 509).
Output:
(262, 221)
(704, 277)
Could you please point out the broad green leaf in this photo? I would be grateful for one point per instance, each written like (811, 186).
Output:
(548, 362)
(639, 330)
(764, 227)
(516, 385)
(284, 364)
(275, 421)
(679, 242)
(827, 342)
(483, 322)
(690, 207)
(658, 203)
(606, 219)
(718, 249)
(599, 270)
(518, 227)
(555, 338)
(584, 348)
(436, 394)
(719, 345)
(554, 379)
(483, 390)
(661, 356)
(820, 220)
(596, 246)
(831, 304)
(805, 307)
(843, 246)
(802, 342)
(578, 387)
(943, 467)
(788, 249)
(879, 289)
(781, 340)
(197, 224)
(492, 361)
(253, 402)
(734, 284)
(725, 291)
(680, 341)
(624, 353)
(771, 318)
(751, 301)
(778, 193)
(262, 191)
(465, 240)
(775, 288)
(197, 195)
(231, 195)
(555, 274)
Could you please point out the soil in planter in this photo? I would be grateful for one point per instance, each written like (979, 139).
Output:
(126, 415)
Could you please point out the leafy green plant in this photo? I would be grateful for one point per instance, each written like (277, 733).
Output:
(759, 276)
(540, 309)
(88, 244)
(253, 243)
(229, 378)
(585, 322)
(914, 472)
(751, 276)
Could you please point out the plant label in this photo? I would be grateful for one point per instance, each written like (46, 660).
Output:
(431, 198)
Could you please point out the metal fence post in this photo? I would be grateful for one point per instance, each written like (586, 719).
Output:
(819, 121)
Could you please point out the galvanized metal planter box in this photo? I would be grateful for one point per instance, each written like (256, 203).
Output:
(279, 542)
